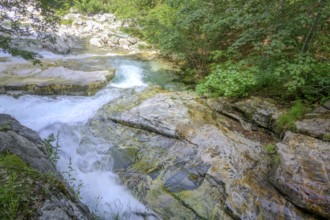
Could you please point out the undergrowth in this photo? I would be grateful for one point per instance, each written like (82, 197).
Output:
(53, 147)
(23, 189)
(287, 120)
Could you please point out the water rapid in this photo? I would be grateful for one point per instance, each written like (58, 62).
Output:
(90, 172)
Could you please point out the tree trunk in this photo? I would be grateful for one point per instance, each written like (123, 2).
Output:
(311, 32)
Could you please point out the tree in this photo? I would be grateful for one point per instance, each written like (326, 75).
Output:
(279, 45)
(26, 19)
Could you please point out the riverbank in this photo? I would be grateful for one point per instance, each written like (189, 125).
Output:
(180, 155)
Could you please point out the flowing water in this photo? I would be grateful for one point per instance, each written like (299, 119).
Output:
(89, 172)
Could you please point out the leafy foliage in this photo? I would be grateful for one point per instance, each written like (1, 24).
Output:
(287, 120)
(15, 192)
(25, 19)
(90, 6)
(228, 80)
(23, 189)
(75, 185)
(234, 47)
(53, 147)
(283, 44)
(271, 151)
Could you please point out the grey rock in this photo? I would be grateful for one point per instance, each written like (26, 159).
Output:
(303, 172)
(315, 124)
(124, 43)
(114, 40)
(253, 110)
(50, 210)
(327, 104)
(25, 143)
(96, 42)
(185, 177)
(132, 40)
(59, 207)
(63, 43)
(56, 80)
(161, 114)
(184, 151)
(59, 201)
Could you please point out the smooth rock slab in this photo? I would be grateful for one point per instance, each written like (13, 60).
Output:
(316, 124)
(303, 173)
(183, 150)
(54, 81)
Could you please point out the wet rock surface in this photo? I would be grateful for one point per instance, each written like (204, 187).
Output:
(184, 161)
(23, 159)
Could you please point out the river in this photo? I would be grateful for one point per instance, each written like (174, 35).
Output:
(90, 172)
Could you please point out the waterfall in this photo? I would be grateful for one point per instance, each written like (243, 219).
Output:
(90, 171)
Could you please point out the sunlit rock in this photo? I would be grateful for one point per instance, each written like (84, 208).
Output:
(185, 161)
(54, 80)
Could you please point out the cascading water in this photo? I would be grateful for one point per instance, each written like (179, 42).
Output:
(88, 170)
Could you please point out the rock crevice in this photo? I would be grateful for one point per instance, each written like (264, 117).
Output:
(194, 165)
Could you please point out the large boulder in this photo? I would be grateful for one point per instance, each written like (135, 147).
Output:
(97, 42)
(316, 123)
(24, 142)
(36, 189)
(183, 161)
(63, 43)
(53, 80)
(303, 172)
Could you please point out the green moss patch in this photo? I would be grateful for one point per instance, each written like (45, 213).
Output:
(288, 120)
(23, 190)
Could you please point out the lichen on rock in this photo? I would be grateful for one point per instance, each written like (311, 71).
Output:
(186, 162)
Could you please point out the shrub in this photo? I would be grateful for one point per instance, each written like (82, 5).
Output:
(52, 147)
(271, 151)
(287, 120)
(228, 80)
(66, 22)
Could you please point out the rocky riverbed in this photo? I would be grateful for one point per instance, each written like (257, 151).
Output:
(190, 158)
(182, 156)
(77, 34)
(187, 159)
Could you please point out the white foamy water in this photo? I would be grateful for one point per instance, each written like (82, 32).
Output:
(100, 188)
(133, 77)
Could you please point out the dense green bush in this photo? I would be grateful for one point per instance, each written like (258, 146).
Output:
(228, 80)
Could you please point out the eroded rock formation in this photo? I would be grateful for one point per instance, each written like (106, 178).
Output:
(186, 160)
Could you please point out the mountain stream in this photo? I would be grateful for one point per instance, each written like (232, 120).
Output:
(90, 173)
